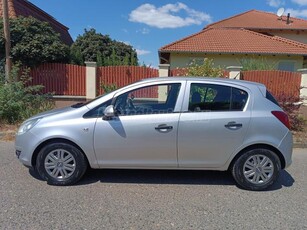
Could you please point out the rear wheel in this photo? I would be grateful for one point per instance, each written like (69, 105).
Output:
(256, 169)
(61, 164)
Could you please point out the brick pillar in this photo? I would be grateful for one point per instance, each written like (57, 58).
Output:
(234, 72)
(164, 70)
(303, 91)
(91, 78)
(162, 90)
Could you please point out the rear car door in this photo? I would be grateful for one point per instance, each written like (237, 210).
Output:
(213, 125)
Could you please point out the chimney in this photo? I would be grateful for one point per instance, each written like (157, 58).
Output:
(288, 19)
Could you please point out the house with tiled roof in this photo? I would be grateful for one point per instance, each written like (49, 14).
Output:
(26, 9)
(282, 41)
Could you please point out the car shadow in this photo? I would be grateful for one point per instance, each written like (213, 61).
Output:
(184, 177)
(139, 176)
(34, 174)
(284, 180)
(188, 177)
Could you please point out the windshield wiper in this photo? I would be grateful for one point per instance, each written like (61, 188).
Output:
(78, 105)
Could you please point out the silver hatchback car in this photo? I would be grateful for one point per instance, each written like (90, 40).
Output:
(163, 123)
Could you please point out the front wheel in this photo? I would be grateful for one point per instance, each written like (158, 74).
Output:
(256, 169)
(61, 164)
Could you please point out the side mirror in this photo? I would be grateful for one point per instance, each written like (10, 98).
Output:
(109, 113)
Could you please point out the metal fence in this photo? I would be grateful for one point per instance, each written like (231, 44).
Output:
(278, 82)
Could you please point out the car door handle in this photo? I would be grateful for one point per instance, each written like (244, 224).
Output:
(233, 125)
(164, 128)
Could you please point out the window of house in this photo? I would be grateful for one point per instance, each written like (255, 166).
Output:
(210, 97)
(286, 66)
(196, 60)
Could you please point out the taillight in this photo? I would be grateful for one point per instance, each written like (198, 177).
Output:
(282, 117)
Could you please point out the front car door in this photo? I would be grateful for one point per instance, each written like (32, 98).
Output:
(213, 125)
(144, 132)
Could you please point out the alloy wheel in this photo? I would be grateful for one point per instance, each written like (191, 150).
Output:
(60, 164)
(258, 169)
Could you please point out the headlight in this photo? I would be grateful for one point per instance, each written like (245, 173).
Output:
(25, 127)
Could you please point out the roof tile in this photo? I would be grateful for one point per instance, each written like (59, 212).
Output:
(233, 40)
(255, 19)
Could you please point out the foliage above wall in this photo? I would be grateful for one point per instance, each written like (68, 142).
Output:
(93, 46)
(204, 69)
(33, 42)
(256, 63)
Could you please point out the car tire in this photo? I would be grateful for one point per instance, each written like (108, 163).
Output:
(61, 164)
(256, 169)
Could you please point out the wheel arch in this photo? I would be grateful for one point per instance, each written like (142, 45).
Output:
(264, 146)
(54, 140)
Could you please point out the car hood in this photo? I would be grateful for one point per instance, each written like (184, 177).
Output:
(53, 112)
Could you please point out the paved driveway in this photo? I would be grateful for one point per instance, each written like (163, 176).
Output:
(140, 199)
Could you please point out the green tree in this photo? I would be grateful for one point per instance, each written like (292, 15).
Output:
(76, 56)
(100, 59)
(33, 42)
(93, 46)
(126, 59)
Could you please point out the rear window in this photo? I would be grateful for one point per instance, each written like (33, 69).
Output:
(271, 98)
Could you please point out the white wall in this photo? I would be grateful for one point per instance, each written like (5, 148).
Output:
(182, 60)
(300, 36)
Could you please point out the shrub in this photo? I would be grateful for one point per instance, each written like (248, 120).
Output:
(204, 69)
(107, 88)
(291, 105)
(179, 72)
(19, 101)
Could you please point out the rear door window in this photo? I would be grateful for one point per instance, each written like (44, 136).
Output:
(211, 97)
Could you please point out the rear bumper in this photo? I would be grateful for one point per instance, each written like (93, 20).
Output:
(286, 148)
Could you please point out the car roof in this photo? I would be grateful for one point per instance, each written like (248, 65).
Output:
(211, 79)
(242, 83)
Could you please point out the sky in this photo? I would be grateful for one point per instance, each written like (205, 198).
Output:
(149, 25)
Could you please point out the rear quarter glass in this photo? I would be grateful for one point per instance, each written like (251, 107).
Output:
(271, 98)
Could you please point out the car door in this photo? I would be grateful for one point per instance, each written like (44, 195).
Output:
(144, 132)
(213, 125)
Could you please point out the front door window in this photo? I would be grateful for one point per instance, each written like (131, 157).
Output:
(156, 99)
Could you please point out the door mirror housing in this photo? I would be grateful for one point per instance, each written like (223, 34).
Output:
(109, 113)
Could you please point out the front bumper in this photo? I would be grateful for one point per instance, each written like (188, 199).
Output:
(25, 145)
